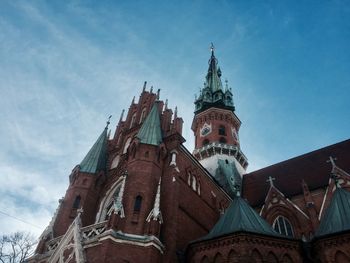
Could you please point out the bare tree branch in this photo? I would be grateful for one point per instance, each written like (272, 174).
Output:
(16, 247)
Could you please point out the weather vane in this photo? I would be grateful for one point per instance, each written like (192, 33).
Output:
(212, 48)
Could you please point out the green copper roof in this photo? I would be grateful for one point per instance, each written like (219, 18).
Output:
(240, 217)
(337, 216)
(96, 158)
(150, 131)
(228, 177)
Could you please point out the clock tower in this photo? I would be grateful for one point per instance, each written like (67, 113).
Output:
(216, 126)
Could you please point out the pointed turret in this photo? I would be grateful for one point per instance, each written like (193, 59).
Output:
(150, 132)
(96, 158)
(337, 216)
(240, 217)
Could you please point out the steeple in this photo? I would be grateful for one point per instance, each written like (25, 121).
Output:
(213, 94)
(150, 131)
(96, 158)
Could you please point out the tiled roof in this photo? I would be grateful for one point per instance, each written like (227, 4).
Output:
(150, 131)
(228, 177)
(337, 216)
(312, 167)
(96, 158)
(240, 217)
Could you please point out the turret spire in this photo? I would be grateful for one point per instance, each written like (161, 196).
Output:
(96, 158)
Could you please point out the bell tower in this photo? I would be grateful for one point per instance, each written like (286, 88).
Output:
(216, 127)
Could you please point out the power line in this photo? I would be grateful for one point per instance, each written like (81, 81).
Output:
(23, 221)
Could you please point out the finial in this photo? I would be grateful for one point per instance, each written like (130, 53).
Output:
(212, 48)
(158, 93)
(166, 104)
(144, 86)
(108, 121)
(121, 115)
(151, 90)
(226, 84)
(270, 180)
(175, 113)
(332, 161)
(336, 180)
(133, 100)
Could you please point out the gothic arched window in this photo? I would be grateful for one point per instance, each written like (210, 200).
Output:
(107, 203)
(137, 204)
(76, 203)
(283, 226)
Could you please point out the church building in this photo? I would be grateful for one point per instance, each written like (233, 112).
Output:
(140, 196)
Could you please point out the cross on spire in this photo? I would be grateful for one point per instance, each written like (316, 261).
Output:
(332, 161)
(270, 180)
(212, 48)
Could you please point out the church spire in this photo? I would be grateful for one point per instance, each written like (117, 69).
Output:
(213, 93)
(96, 158)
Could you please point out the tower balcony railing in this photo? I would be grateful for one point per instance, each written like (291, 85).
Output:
(221, 148)
(88, 234)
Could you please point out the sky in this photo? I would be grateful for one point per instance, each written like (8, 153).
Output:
(65, 66)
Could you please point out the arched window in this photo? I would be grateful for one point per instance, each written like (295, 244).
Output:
(222, 130)
(107, 204)
(222, 140)
(283, 226)
(189, 178)
(137, 204)
(76, 203)
(205, 142)
(143, 115)
(194, 183)
(133, 118)
(127, 144)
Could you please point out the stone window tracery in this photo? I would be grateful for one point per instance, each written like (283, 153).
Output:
(283, 226)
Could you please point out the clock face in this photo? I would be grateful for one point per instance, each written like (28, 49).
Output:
(205, 130)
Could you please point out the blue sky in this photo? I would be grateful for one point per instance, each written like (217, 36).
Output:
(65, 66)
